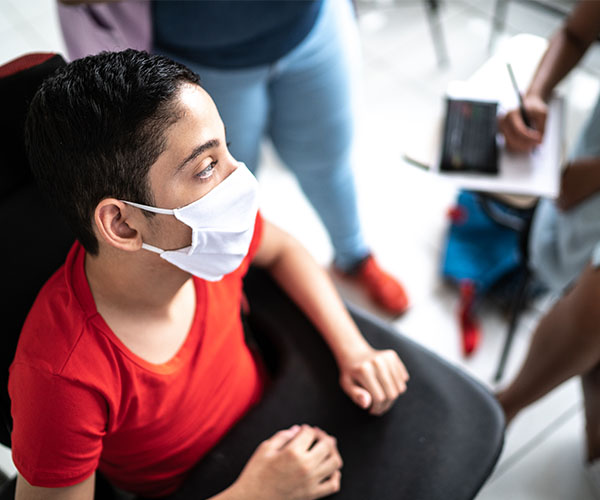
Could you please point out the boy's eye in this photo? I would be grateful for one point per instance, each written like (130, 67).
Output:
(208, 171)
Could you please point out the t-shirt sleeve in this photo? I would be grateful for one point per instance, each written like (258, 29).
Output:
(58, 426)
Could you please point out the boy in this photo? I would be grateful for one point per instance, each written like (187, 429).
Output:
(132, 359)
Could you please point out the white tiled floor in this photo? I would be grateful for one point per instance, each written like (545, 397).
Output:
(402, 92)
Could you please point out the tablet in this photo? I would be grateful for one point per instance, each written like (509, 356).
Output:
(469, 138)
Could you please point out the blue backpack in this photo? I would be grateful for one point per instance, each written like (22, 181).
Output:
(485, 254)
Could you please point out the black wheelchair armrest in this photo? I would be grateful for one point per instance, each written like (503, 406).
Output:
(441, 439)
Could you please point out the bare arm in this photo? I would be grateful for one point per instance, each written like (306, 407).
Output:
(580, 180)
(81, 491)
(565, 50)
(373, 379)
(301, 462)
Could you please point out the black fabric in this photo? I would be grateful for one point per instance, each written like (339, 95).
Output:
(7, 490)
(440, 441)
(103, 490)
(16, 92)
(36, 238)
(232, 34)
(36, 244)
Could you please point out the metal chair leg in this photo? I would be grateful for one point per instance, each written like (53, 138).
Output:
(432, 8)
(515, 313)
(498, 22)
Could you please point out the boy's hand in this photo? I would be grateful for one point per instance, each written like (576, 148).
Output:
(300, 463)
(374, 380)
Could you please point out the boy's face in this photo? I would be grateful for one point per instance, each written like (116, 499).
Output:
(195, 160)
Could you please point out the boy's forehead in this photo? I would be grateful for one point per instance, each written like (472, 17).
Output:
(197, 115)
(198, 122)
(195, 99)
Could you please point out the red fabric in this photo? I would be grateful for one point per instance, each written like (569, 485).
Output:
(469, 325)
(24, 62)
(81, 400)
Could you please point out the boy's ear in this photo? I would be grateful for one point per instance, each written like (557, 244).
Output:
(118, 224)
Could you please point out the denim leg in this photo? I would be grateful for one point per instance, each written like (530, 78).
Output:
(306, 98)
(311, 124)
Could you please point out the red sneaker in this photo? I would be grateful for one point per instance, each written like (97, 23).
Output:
(384, 289)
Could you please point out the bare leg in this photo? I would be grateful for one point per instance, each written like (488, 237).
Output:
(565, 344)
(591, 393)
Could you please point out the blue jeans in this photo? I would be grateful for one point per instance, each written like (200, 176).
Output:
(303, 103)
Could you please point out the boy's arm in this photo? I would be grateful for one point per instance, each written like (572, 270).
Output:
(373, 379)
(81, 491)
(301, 462)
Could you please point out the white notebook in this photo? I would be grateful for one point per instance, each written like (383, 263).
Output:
(532, 175)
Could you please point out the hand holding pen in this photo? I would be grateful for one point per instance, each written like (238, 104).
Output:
(523, 127)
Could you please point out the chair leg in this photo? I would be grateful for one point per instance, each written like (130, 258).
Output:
(516, 310)
(432, 8)
(498, 22)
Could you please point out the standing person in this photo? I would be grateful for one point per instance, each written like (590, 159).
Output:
(564, 232)
(283, 70)
(564, 242)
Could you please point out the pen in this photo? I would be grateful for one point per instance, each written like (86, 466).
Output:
(516, 87)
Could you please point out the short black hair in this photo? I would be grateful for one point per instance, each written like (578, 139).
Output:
(96, 126)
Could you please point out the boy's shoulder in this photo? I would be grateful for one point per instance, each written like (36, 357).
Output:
(56, 322)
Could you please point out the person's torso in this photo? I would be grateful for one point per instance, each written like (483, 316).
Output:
(232, 34)
(160, 418)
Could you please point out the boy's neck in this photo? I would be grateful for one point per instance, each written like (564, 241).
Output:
(136, 282)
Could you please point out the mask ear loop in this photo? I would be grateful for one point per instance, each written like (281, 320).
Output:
(156, 210)
(165, 211)
(152, 248)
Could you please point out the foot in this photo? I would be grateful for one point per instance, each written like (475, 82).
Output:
(383, 288)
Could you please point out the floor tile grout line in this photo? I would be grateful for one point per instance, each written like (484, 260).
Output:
(527, 447)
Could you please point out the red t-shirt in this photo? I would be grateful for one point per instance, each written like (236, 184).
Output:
(81, 400)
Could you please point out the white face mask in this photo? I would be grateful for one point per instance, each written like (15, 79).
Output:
(222, 223)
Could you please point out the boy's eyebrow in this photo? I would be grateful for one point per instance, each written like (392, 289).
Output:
(213, 143)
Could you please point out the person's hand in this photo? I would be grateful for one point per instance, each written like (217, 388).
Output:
(572, 188)
(300, 463)
(580, 180)
(374, 379)
(519, 137)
